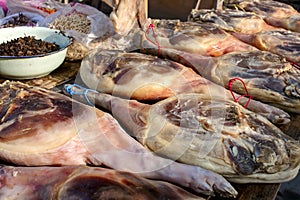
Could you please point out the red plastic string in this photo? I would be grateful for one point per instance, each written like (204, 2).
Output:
(293, 64)
(151, 27)
(230, 83)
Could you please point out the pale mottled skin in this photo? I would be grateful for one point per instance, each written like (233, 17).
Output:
(203, 39)
(231, 20)
(82, 182)
(67, 132)
(207, 131)
(268, 77)
(144, 77)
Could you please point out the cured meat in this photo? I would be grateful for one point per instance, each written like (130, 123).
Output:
(268, 77)
(203, 39)
(283, 43)
(231, 20)
(127, 15)
(274, 13)
(41, 127)
(213, 133)
(251, 29)
(291, 23)
(82, 182)
(148, 78)
(129, 18)
(266, 8)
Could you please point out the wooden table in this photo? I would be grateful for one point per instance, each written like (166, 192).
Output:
(68, 71)
(253, 192)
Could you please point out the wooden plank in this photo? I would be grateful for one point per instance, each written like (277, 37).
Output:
(66, 72)
(253, 192)
(166, 9)
(146, 8)
(292, 128)
(219, 4)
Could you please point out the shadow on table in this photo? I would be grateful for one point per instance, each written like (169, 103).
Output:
(289, 190)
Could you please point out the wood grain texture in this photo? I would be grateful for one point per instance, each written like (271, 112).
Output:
(253, 192)
(292, 128)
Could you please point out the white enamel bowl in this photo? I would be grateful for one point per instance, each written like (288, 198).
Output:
(28, 67)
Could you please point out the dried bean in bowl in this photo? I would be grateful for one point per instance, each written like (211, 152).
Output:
(27, 46)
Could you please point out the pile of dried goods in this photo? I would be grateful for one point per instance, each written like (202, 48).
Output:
(27, 46)
(76, 51)
(20, 20)
(74, 21)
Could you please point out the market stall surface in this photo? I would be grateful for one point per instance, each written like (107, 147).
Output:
(67, 73)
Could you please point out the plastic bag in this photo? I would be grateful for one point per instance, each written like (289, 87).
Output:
(27, 19)
(100, 24)
(41, 7)
(1, 13)
(3, 8)
(81, 22)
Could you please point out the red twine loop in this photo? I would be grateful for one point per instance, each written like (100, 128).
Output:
(293, 64)
(156, 43)
(230, 83)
